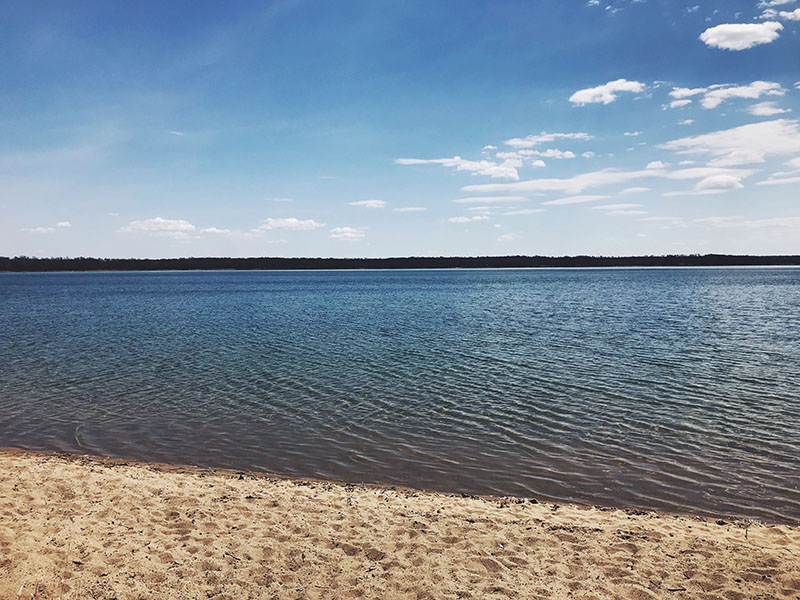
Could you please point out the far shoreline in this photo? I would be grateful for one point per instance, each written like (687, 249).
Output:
(90, 264)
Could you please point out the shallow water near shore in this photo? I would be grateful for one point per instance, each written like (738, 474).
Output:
(666, 389)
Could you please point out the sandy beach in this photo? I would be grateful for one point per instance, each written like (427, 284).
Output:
(77, 527)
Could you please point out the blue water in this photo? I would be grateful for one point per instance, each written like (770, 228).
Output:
(675, 389)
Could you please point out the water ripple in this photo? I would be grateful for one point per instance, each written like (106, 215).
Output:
(670, 389)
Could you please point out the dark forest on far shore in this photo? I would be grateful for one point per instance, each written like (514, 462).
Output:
(26, 263)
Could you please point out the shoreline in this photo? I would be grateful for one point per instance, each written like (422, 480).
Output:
(74, 526)
(268, 476)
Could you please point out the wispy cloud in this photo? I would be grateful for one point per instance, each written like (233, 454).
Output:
(523, 211)
(368, 203)
(491, 200)
(751, 143)
(542, 138)
(348, 234)
(575, 200)
(468, 219)
(716, 184)
(290, 223)
(504, 170)
(766, 109)
(714, 95)
(579, 183)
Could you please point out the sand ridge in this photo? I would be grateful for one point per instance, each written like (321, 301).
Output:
(79, 527)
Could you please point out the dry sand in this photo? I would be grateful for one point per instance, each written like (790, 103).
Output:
(75, 527)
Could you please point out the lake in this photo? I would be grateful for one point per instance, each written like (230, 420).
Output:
(669, 389)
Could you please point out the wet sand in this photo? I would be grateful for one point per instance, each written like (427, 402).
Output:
(77, 527)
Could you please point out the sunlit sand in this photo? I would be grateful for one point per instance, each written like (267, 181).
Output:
(74, 527)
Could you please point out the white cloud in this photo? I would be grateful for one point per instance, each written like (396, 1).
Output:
(286, 200)
(42, 230)
(767, 3)
(727, 222)
(178, 133)
(604, 177)
(634, 190)
(741, 36)
(506, 170)
(574, 200)
(717, 94)
(742, 145)
(489, 147)
(368, 203)
(348, 234)
(741, 222)
(686, 122)
(625, 213)
(215, 230)
(544, 137)
(656, 164)
(549, 153)
(410, 209)
(793, 163)
(524, 211)
(589, 154)
(793, 15)
(491, 200)
(679, 92)
(606, 93)
(718, 183)
(48, 229)
(508, 237)
(468, 219)
(158, 226)
(632, 133)
(616, 206)
(779, 180)
(766, 109)
(290, 223)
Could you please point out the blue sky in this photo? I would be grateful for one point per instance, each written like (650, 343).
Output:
(391, 129)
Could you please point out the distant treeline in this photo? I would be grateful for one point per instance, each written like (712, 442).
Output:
(27, 263)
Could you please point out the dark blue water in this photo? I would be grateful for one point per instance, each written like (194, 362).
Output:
(674, 389)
